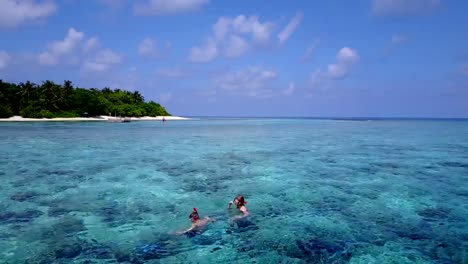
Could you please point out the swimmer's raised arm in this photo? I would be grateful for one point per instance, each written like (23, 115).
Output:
(186, 231)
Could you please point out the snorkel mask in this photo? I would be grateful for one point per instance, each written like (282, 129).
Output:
(194, 215)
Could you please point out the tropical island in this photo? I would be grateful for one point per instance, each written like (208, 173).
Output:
(51, 100)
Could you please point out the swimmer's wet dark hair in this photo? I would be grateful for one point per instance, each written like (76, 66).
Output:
(240, 201)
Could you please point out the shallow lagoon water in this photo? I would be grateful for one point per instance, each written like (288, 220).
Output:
(319, 191)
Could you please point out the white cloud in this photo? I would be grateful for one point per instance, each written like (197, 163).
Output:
(253, 81)
(58, 49)
(69, 43)
(284, 35)
(316, 78)
(4, 59)
(15, 12)
(168, 7)
(75, 49)
(236, 47)
(91, 66)
(337, 71)
(234, 36)
(320, 80)
(46, 58)
(310, 50)
(205, 53)
(222, 27)
(347, 55)
(403, 7)
(399, 39)
(146, 47)
(290, 89)
(107, 56)
(91, 44)
(260, 32)
(345, 59)
(149, 48)
(102, 61)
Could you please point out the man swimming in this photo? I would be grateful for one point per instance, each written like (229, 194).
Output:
(197, 224)
(240, 203)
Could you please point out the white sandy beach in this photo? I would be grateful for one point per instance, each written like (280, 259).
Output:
(96, 118)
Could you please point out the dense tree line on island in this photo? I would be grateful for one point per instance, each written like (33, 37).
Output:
(50, 100)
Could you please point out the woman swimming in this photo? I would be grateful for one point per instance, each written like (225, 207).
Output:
(240, 203)
(197, 223)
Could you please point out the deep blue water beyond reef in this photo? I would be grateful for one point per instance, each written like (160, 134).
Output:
(319, 191)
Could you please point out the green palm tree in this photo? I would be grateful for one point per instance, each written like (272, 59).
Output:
(137, 97)
(68, 87)
(106, 90)
(67, 92)
(26, 92)
(51, 96)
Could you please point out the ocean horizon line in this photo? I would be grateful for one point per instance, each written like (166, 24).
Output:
(329, 118)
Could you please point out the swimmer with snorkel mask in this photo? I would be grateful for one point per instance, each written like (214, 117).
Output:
(197, 224)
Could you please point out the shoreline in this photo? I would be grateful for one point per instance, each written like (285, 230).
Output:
(90, 119)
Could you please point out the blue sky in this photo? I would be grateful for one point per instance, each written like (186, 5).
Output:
(382, 58)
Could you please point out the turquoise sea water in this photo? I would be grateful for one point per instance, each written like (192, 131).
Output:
(319, 191)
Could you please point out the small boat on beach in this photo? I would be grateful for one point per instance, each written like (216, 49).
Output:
(119, 119)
